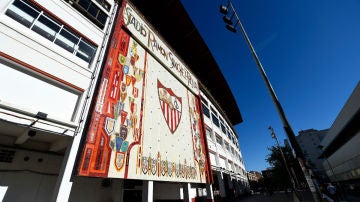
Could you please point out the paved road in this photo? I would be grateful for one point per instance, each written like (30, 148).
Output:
(277, 197)
(281, 197)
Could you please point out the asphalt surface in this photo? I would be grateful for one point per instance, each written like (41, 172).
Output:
(277, 197)
(282, 197)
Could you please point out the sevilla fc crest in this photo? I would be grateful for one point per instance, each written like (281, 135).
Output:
(170, 105)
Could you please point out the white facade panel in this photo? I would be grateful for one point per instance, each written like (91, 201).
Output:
(211, 145)
(220, 150)
(35, 94)
(222, 162)
(213, 159)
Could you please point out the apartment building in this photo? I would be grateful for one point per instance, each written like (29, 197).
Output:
(96, 105)
(310, 144)
(254, 176)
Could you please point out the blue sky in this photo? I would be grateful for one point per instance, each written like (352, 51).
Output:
(310, 51)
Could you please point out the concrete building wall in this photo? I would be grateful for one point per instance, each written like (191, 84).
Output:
(341, 145)
(345, 162)
(33, 174)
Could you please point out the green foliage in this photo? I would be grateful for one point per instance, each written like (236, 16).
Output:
(280, 178)
(255, 185)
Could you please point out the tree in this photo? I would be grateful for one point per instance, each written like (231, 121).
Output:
(280, 178)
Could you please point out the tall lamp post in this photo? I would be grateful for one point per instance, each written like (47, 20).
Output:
(290, 133)
(273, 135)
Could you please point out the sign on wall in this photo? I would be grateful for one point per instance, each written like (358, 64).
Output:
(146, 121)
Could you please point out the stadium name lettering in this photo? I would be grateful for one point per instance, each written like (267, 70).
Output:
(157, 47)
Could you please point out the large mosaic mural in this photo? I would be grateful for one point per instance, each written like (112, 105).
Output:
(146, 122)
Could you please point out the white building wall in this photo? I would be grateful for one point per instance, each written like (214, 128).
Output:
(26, 46)
(224, 162)
(38, 75)
(32, 53)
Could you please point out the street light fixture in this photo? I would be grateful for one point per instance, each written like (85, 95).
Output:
(224, 9)
(227, 20)
(289, 132)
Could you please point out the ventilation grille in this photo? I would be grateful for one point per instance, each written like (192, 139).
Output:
(6, 156)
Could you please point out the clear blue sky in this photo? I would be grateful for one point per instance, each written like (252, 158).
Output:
(310, 51)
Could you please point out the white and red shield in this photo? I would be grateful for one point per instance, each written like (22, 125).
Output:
(171, 106)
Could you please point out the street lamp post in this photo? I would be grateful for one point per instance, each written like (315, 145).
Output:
(290, 133)
(273, 135)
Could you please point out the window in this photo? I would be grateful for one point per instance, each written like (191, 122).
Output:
(33, 18)
(104, 4)
(92, 11)
(215, 120)
(208, 133)
(205, 110)
(227, 146)
(204, 100)
(23, 13)
(213, 111)
(219, 139)
(223, 127)
(67, 40)
(85, 51)
(46, 27)
(214, 117)
(229, 135)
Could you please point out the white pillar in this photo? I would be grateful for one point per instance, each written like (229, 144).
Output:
(209, 193)
(63, 184)
(148, 191)
(3, 190)
(221, 184)
(186, 190)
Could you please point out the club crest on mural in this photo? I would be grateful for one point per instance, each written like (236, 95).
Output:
(119, 160)
(171, 106)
